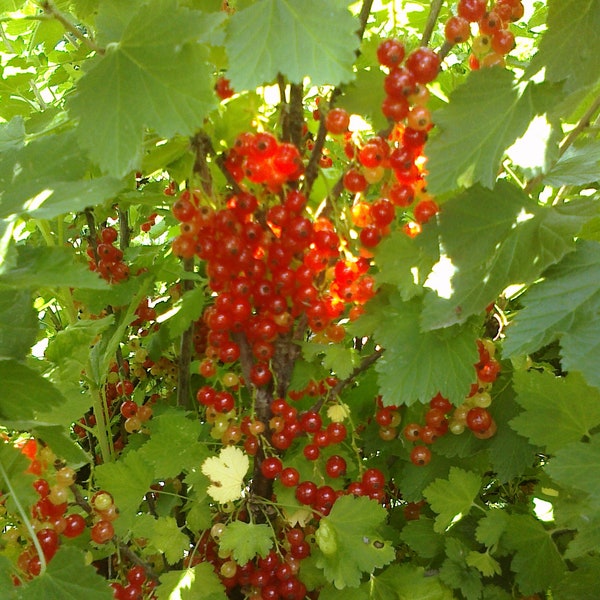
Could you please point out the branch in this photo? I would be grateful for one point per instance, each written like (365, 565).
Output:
(52, 11)
(202, 147)
(434, 13)
(366, 362)
(92, 241)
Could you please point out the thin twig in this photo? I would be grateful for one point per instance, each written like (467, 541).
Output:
(366, 362)
(434, 13)
(582, 124)
(52, 11)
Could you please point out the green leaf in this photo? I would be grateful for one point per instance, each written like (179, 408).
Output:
(457, 573)
(558, 410)
(68, 577)
(483, 248)
(57, 437)
(572, 27)
(405, 582)
(47, 178)
(406, 263)
(128, 480)
(189, 310)
(416, 365)
(6, 581)
(498, 110)
(484, 563)
(452, 498)
(198, 583)
(491, 527)
(15, 483)
(583, 582)
(364, 97)
(18, 324)
(355, 523)
(246, 540)
(173, 429)
(12, 134)
(280, 36)
(577, 166)
(421, 538)
(162, 535)
(586, 540)
(578, 465)
(50, 267)
(158, 52)
(534, 571)
(30, 394)
(511, 454)
(565, 305)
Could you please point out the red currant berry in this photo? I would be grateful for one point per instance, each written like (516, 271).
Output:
(420, 456)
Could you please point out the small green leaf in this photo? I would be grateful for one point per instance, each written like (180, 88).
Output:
(189, 310)
(68, 577)
(586, 540)
(280, 36)
(452, 498)
(456, 573)
(355, 523)
(498, 111)
(246, 540)
(162, 535)
(484, 563)
(198, 583)
(558, 410)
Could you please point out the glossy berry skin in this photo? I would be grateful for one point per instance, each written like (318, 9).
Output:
(424, 210)
(289, 477)
(420, 456)
(373, 479)
(271, 467)
(479, 419)
(75, 526)
(335, 466)
(424, 64)
(306, 492)
(337, 121)
(457, 30)
(390, 53)
(471, 10)
(102, 532)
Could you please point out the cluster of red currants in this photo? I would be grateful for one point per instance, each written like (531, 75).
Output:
(50, 517)
(261, 158)
(494, 40)
(138, 585)
(395, 161)
(268, 266)
(443, 417)
(106, 258)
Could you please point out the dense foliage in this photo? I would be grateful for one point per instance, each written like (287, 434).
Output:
(299, 299)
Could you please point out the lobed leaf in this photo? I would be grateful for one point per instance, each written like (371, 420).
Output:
(273, 37)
